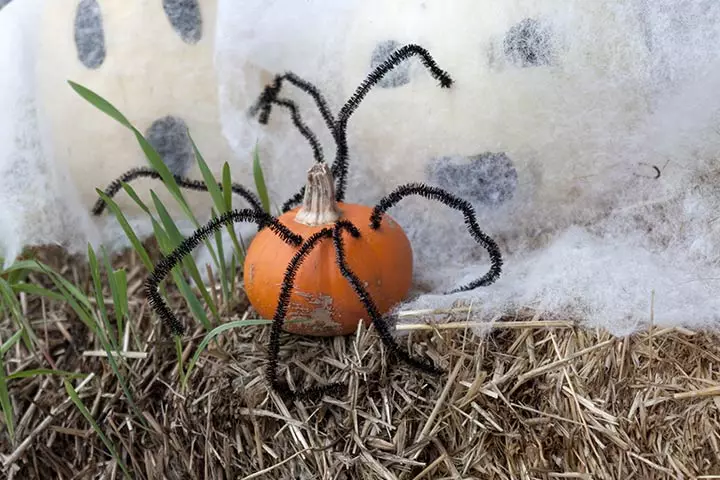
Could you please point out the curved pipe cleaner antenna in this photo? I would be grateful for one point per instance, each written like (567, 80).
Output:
(435, 193)
(167, 263)
(145, 172)
(271, 91)
(340, 165)
(338, 127)
(269, 98)
(378, 321)
(301, 126)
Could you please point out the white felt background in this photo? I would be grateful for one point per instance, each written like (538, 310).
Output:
(588, 231)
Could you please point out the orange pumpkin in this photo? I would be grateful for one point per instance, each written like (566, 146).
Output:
(382, 259)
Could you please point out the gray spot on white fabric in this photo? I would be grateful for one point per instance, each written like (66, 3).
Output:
(168, 135)
(488, 178)
(398, 76)
(527, 44)
(89, 34)
(185, 18)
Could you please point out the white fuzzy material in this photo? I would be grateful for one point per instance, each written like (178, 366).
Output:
(589, 231)
(612, 92)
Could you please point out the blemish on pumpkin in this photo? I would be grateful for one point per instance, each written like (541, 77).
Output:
(322, 321)
(320, 313)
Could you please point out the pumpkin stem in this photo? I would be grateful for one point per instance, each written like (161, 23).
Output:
(319, 204)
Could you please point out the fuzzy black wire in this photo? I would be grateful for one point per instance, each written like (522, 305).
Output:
(294, 200)
(320, 101)
(271, 91)
(269, 97)
(339, 128)
(435, 193)
(279, 318)
(167, 263)
(146, 172)
(340, 165)
(301, 126)
(369, 304)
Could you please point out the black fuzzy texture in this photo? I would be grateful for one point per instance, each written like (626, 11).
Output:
(338, 127)
(167, 263)
(145, 172)
(340, 166)
(269, 97)
(264, 107)
(370, 306)
(271, 375)
(435, 193)
(320, 101)
(294, 200)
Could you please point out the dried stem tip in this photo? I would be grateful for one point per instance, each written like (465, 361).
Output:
(319, 205)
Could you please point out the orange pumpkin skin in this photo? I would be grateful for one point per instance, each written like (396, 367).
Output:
(382, 259)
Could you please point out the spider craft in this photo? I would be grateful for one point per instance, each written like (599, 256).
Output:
(290, 266)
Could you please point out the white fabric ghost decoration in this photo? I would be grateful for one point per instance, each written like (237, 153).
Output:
(154, 61)
(584, 133)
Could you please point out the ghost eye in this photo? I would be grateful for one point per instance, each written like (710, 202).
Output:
(89, 34)
(395, 78)
(185, 18)
(528, 44)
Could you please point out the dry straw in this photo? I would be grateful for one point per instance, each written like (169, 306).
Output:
(525, 399)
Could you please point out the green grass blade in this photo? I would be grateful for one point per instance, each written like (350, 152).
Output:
(224, 284)
(100, 103)
(120, 298)
(45, 371)
(214, 333)
(118, 288)
(35, 290)
(260, 180)
(84, 311)
(153, 157)
(99, 298)
(175, 238)
(5, 403)
(129, 232)
(10, 342)
(209, 178)
(180, 366)
(227, 186)
(195, 306)
(239, 245)
(12, 304)
(88, 416)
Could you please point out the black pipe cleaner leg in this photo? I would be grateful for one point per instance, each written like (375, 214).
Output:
(271, 91)
(369, 304)
(320, 101)
(167, 263)
(145, 172)
(279, 320)
(340, 165)
(435, 193)
(301, 126)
